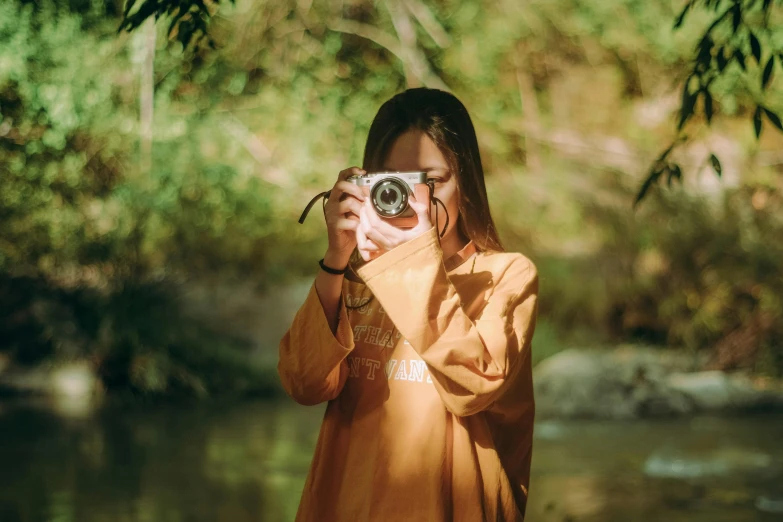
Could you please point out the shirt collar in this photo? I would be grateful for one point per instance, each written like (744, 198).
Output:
(460, 257)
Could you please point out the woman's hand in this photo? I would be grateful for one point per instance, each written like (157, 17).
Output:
(342, 211)
(374, 236)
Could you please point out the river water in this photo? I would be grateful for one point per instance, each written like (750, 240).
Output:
(244, 462)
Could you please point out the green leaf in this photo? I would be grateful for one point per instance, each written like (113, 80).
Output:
(652, 177)
(722, 60)
(755, 47)
(757, 121)
(677, 172)
(681, 18)
(736, 17)
(774, 118)
(708, 105)
(665, 153)
(128, 6)
(768, 72)
(716, 166)
(740, 57)
(705, 52)
(688, 103)
(674, 173)
(659, 167)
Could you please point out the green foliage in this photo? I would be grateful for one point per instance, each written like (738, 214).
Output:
(138, 336)
(52, 144)
(85, 235)
(188, 18)
(738, 31)
(731, 38)
(96, 224)
(687, 271)
(74, 195)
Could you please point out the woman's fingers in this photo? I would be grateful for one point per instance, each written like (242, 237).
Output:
(347, 223)
(422, 211)
(367, 222)
(419, 207)
(349, 204)
(371, 246)
(347, 188)
(375, 235)
(391, 233)
(342, 189)
(362, 243)
(380, 239)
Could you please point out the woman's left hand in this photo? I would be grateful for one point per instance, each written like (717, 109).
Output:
(374, 236)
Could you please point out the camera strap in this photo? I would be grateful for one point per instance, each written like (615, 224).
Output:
(325, 196)
(431, 185)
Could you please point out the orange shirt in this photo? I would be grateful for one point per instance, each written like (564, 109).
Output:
(429, 383)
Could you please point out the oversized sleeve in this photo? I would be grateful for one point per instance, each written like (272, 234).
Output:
(312, 364)
(471, 362)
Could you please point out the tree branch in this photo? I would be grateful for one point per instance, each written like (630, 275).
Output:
(427, 20)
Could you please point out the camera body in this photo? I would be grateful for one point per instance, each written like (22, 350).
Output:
(389, 193)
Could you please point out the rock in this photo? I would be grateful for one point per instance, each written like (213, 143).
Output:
(71, 388)
(75, 380)
(624, 383)
(718, 391)
(681, 464)
(769, 505)
(633, 382)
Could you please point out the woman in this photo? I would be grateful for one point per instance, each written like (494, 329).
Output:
(425, 356)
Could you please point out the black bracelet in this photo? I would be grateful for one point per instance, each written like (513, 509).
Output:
(330, 270)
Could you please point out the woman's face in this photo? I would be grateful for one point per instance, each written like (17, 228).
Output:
(415, 151)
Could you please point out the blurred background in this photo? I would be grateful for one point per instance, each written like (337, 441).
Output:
(150, 258)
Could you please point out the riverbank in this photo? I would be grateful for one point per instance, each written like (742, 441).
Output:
(631, 382)
(623, 383)
(247, 461)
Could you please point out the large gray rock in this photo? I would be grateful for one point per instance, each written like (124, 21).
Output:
(719, 391)
(633, 382)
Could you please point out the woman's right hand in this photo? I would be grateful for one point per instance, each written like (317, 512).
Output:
(342, 211)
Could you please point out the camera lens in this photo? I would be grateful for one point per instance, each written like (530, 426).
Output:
(390, 197)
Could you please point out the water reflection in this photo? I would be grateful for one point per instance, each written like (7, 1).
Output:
(247, 462)
(240, 463)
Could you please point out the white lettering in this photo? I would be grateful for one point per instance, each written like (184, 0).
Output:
(354, 363)
(373, 365)
(401, 374)
(385, 339)
(390, 365)
(372, 334)
(360, 304)
(417, 371)
(358, 330)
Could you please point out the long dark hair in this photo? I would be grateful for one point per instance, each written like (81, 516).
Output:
(443, 118)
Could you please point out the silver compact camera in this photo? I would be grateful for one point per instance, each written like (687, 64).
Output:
(389, 193)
